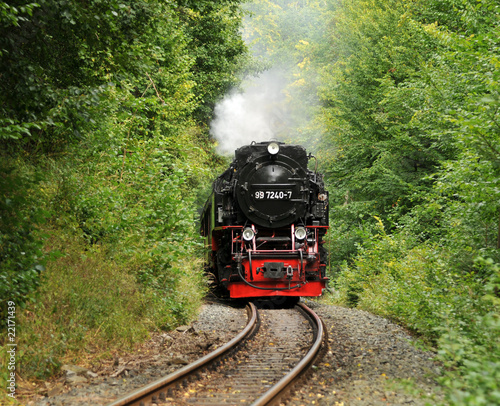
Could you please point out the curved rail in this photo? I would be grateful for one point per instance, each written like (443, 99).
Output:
(157, 390)
(277, 391)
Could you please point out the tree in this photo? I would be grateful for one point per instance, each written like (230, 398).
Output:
(105, 91)
(213, 32)
(379, 146)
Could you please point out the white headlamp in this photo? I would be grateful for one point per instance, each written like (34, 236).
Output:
(273, 148)
(300, 233)
(248, 234)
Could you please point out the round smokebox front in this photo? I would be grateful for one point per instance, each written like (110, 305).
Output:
(272, 193)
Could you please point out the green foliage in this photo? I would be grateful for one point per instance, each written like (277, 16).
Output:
(415, 286)
(21, 256)
(118, 80)
(403, 97)
(280, 30)
(103, 114)
(287, 38)
(381, 154)
(411, 107)
(378, 151)
(61, 62)
(410, 283)
(90, 301)
(213, 32)
(128, 243)
(474, 346)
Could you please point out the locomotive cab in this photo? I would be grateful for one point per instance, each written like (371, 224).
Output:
(264, 224)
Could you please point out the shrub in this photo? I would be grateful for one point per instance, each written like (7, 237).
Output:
(21, 257)
(418, 286)
(90, 302)
(473, 349)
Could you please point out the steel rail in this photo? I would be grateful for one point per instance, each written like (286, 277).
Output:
(157, 389)
(278, 390)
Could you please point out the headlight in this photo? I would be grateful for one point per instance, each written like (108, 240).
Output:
(273, 148)
(300, 233)
(248, 234)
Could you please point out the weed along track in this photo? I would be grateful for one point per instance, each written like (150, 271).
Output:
(259, 366)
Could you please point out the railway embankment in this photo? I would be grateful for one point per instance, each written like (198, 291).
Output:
(369, 361)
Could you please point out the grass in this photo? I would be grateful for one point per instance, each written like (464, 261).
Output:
(90, 306)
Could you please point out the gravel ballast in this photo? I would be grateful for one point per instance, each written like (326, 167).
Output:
(370, 361)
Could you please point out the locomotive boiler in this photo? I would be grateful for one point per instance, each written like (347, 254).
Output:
(264, 224)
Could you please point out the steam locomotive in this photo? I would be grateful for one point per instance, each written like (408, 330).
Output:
(264, 224)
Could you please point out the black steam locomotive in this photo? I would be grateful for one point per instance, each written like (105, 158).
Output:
(264, 224)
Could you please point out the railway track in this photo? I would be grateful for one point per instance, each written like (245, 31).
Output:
(258, 366)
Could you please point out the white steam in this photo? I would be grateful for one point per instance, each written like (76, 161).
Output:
(257, 114)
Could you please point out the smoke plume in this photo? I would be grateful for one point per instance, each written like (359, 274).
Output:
(256, 114)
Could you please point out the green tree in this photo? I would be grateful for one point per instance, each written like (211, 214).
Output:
(60, 59)
(426, 267)
(379, 149)
(213, 32)
(117, 90)
(287, 37)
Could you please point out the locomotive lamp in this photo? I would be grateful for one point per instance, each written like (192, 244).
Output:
(273, 148)
(300, 233)
(248, 234)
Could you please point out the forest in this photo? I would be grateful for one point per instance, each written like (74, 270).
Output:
(109, 144)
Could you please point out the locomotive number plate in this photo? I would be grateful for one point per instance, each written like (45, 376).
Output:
(273, 194)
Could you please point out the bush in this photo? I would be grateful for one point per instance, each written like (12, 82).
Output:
(474, 349)
(21, 257)
(89, 302)
(124, 248)
(418, 286)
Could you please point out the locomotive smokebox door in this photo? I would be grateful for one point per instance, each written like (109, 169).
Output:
(274, 270)
(272, 191)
